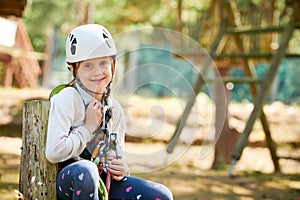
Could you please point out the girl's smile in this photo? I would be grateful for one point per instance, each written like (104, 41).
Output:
(98, 80)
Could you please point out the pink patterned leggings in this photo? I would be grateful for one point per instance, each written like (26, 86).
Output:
(80, 180)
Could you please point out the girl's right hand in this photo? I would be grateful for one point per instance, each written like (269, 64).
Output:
(93, 115)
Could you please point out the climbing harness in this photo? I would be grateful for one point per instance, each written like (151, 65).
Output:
(109, 143)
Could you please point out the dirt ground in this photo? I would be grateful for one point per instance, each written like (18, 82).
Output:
(187, 171)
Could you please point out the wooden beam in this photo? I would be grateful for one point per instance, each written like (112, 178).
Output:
(252, 55)
(234, 80)
(5, 58)
(20, 53)
(249, 30)
(12, 7)
(8, 73)
(13, 3)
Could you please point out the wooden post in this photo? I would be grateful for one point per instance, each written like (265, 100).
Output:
(225, 136)
(8, 73)
(37, 175)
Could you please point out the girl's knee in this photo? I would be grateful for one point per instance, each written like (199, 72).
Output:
(87, 166)
(168, 194)
(165, 192)
(85, 171)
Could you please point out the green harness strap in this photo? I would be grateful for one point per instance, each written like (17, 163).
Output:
(57, 89)
(102, 190)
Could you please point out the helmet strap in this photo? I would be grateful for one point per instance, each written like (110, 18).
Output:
(86, 89)
(107, 104)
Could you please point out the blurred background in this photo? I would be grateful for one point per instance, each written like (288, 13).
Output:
(252, 68)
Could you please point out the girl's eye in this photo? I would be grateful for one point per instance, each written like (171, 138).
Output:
(104, 63)
(88, 65)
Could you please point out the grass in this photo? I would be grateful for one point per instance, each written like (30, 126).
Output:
(187, 182)
(194, 184)
(9, 176)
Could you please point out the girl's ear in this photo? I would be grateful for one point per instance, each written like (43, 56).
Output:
(73, 67)
(70, 68)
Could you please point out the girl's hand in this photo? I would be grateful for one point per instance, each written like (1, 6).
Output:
(118, 169)
(93, 115)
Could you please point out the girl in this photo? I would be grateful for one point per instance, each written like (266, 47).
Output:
(83, 119)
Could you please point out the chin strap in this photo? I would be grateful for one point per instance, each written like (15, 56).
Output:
(85, 88)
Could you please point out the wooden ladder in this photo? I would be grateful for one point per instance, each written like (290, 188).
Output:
(259, 88)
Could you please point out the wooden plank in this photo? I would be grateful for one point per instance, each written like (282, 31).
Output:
(252, 55)
(8, 12)
(12, 7)
(249, 30)
(5, 58)
(37, 175)
(234, 80)
(12, 3)
(8, 73)
(21, 53)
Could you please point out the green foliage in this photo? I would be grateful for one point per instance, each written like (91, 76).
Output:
(294, 44)
(40, 16)
(197, 18)
(116, 15)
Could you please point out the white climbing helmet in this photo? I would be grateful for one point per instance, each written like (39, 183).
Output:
(89, 41)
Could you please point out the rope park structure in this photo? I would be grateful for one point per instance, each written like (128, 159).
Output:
(243, 34)
(237, 38)
(20, 62)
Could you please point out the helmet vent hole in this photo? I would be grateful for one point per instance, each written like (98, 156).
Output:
(73, 41)
(73, 49)
(106, 38)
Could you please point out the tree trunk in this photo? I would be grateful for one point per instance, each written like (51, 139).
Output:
(37, 175)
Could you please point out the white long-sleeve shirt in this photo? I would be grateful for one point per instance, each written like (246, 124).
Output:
(66, 135)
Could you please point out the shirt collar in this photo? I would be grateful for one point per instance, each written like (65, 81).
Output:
(86, 97)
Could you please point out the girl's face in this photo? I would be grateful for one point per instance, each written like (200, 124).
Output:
(95, 74)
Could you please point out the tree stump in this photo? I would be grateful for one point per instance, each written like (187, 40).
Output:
(37, 175)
